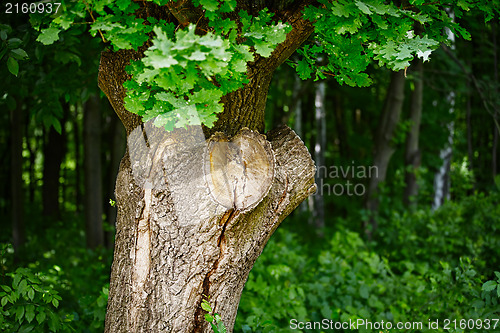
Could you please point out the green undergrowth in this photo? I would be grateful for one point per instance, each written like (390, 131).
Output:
(423, 266)
(58, 286)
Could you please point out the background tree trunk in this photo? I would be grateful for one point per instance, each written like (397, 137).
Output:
(319, 151)
(341, 127)
(93, 175)
(53, 156)
(442, 176)
(16, 180)
(468, 116)
(383, 143)
(413, 154)
(77, 147)
(116, 149)
(31, 158)
(494, 149)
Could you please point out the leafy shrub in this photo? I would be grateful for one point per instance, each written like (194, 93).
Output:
(30, 305)
(78, 277)
(427, 266)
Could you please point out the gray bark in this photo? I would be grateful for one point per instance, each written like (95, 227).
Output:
(175, 244)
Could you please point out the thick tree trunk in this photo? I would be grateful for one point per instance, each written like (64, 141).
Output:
(383, 142)
(173, 242)
(413, 154)
(93, 175)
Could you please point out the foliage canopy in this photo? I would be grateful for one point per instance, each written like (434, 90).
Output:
(188, 67)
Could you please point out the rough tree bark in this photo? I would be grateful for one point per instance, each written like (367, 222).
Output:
(173, 242)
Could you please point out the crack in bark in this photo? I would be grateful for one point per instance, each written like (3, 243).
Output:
(142, 261)
(145, 136)
(198, 316)
(142, 247)
(283, 196)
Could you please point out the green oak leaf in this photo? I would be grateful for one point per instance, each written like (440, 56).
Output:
(48, 36)
(263, 48)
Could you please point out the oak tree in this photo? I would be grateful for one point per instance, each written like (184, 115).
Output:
(194, 215)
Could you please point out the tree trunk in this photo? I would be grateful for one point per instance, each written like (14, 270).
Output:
(468, 119)
(319, 151)
(117, 149)
(383, 143)
(31, 165)
(296, 106)
(413, 154)
(341, 128)
(442, 176)
(442, 181)
(77, 146)
(18, 230)
(53, 156)
(496, 115)
(92, 170)
(173, 242)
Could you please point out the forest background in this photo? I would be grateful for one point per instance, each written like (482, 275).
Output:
(419, 241)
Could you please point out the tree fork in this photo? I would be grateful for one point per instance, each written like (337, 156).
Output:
(195, 246)
(190, 252)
